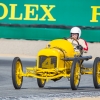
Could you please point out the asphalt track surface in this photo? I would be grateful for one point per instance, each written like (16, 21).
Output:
(30, 87)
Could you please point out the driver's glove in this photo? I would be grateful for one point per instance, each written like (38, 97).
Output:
(79, 47)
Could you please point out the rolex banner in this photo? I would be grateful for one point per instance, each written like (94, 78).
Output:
(49, 12)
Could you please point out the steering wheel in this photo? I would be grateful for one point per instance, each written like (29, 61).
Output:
(78, 45)
(76, 41)
(73, 39)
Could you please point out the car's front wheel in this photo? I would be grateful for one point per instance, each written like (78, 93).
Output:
(17, 69)
(41, 82)
(75, 74)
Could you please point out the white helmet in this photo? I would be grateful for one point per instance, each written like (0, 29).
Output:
(76, 30)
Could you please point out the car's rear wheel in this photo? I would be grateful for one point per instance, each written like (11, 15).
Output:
(75, 74)
(17, 69)
(96, 72)
(41, 82)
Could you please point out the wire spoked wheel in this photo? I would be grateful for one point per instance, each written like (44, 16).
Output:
(75, 74)
(41, 82)
(96, 72)
(17, 69)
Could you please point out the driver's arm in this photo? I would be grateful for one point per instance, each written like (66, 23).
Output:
(84, 44)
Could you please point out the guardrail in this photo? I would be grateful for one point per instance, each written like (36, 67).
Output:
(49, 26)
(46, 32)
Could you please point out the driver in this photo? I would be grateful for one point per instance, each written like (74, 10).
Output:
(75, 35)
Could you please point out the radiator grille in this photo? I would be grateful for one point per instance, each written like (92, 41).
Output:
(47, 62)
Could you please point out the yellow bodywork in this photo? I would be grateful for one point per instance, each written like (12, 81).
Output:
(50, 64)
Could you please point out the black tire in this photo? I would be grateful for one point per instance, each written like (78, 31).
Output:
(14, 75)
(41, 82)
(95, 67)
(72, 74)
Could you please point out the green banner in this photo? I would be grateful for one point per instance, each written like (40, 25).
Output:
(52, 12)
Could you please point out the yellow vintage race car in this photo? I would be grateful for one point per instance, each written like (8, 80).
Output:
(58, 59)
